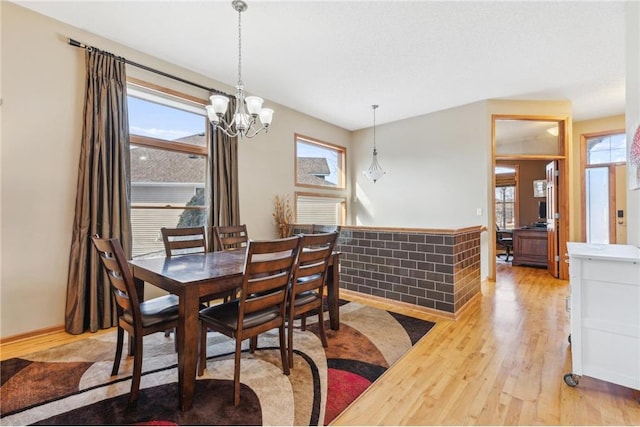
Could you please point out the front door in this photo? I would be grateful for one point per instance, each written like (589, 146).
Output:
(604, 188)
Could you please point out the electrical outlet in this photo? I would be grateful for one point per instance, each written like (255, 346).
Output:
(479, 211)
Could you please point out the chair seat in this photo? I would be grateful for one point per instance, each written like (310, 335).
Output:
(156, 310)
(226, 315)
(304, 298)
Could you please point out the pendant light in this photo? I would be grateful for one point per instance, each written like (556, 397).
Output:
(375, 171)
(245, 119)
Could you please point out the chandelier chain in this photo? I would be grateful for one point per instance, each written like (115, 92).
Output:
(240, 46)
(374, 127)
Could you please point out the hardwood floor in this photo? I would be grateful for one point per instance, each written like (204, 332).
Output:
(500, 363)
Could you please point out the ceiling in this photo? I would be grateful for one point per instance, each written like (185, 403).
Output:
(334, 59)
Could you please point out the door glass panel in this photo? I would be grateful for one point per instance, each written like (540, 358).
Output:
(597, 201)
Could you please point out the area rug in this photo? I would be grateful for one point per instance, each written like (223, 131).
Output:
(72, 384)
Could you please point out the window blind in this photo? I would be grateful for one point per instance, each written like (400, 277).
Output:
(318, 210)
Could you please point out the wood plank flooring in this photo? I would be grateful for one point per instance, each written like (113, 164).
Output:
(500, 363)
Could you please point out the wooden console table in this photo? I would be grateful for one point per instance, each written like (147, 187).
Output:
(530, 246)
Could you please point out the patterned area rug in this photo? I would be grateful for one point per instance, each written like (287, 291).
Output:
(72, 385)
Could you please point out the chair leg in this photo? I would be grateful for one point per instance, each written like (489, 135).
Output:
(137, 370)
(290, 338)
(236, 373)
(203, 349)
(323, 336)
(253, 344)
(303, 322)
(283, 349)
(132, 345)
(119, 343)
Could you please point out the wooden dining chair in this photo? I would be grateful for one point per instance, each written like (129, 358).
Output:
(230, 236)
(307, 286)
(186, 240)
(190, 240)
(138, 318)
(261, 305)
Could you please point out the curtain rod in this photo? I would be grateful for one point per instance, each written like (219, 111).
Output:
(76, 43)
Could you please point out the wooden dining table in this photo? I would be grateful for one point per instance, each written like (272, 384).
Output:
(191, 277)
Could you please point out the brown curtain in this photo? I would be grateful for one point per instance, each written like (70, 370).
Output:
(102, 198)
(222, 177)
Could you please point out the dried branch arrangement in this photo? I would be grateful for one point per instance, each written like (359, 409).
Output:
(283, 215)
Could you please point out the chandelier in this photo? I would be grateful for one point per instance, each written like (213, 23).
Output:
(375, 171)
(248, 108)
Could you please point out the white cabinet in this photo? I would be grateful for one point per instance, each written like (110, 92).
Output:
(605, 313)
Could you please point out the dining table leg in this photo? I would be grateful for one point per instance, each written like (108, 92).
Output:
(188, 345)
(333, 293)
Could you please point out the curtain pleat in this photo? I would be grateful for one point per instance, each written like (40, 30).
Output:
(223, 177)
(103, 194)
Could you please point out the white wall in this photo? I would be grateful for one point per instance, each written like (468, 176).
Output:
(435, 170)
(43, 83)
(632, 90)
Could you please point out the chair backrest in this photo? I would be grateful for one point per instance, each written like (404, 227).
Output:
(268, 270)
(117, 269)
(180, 241)
(310, 272)
(230, 236)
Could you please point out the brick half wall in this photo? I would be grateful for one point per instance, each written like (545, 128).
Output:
(436, 269)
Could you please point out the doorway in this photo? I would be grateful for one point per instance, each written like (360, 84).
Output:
(542, 139)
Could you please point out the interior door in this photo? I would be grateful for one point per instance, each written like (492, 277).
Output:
(552, 219)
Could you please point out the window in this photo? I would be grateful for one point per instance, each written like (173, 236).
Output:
(168, 166)
(319, 209)
(607, 149)
(319, 164)
(505, 197)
